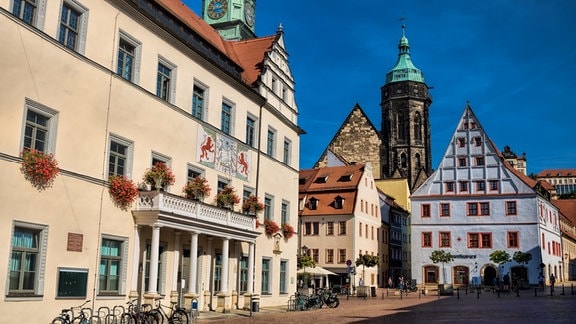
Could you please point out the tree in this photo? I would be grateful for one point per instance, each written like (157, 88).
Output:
(500, 257)
(366, 260)
(306, 261)
(441, 256)
(521, 257)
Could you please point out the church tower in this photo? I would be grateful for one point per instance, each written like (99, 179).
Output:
(233, 19)
(405, 121)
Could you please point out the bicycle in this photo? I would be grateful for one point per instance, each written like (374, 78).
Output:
(136, 315)
(67, 315)
(178, 315)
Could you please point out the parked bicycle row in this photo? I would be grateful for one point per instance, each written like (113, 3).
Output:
(132, 313)
(318, 299)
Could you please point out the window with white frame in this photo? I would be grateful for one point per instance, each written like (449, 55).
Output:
(284, 212)
(271, 142)
(218, 271)
(287, 153)
(27, 259)
(251, 131)
(226, 118)
(165, 80)
(112, 271)
(283, 276)
(266, 276)
(128, 62)
(198, 101)
(30, 11)
(243, 274)
(73, 24)
(268, 206)
(193, 172)
(119, 156)
(39, 130)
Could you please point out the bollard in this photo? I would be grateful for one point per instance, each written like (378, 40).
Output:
(517, 292)
(458, 293)
(572, 287)
(419, 294)
(478, 294)
(535, 292)
(562, 293)
(498, 293)
(382, 294)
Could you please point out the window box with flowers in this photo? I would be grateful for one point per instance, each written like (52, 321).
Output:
(252, 205)
(159, 176)
(270, 227)
(227, 198)
(197, 189)
(287, 230)
(39, 168)
(123, 191)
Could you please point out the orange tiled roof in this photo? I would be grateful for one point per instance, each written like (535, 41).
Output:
(246, 54)
(567, 208)
(325, 184)
(557, 173)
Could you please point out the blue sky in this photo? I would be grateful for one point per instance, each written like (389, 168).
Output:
(514, 61)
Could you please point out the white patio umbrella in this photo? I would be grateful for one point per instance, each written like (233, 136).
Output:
(317, 271)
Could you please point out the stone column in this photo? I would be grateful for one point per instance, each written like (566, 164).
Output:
(223, 295)
(175, 267)
(191, 293)
(208, 277)
(135, 271)
(154, 258)
(250, 289)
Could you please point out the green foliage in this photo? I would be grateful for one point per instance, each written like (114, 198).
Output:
(521, 257)
(367, 260)
(441, 256)
(500, 257)
(306, 261)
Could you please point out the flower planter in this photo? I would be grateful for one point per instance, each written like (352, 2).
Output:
(159, 176)
(122, 191)
(197, 189)
(39, 168)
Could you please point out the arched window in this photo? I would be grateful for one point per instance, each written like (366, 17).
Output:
(418, 162)
(403, 160)
(417, 126)
(401, 127)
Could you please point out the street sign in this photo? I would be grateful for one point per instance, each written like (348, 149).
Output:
(348, 262)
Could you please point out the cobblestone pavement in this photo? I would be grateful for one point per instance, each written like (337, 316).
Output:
(526, 306)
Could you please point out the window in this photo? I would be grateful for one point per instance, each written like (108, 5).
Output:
(267, 207)
(342, 228)
(27, 10)
(450, 186)
(510, 208)
(513, 241)
(266, 276)
(128, 58)
(39, 128)
(250, 131)
(226, 118)
(73, 22)
(316, 255)
(330, 228)
(444, 209)
(243, 274)
(484, 208)
(444, 239)
(480, 186)
(493, 184)
(479, 160)
(161, 268)
(463, 186)
(287, 151)
(198, 97)
(271, 142)
(329, 255)
(315, 228)
(360, 230)
(283, 276)
(27, 261)
(461, 161)
(425, 210)
(480, 240)
(472, 209)
(193, 173)
(313, 204)
(426, 239)
(111, 265)
(341, 255)
(119, 157)
(218, 271)
(338, 202)
(461, 141)
(311, 228)
(477, 141)
(284, 212)
(164, 80)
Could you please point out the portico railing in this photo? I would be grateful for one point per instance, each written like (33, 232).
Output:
(165, 203)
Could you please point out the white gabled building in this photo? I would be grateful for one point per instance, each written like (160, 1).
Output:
(474, 204)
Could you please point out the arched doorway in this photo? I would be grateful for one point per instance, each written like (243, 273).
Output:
(489, 274)
(521, 274)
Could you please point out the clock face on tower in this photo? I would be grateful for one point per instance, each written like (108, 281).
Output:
(217, 8)
(249, 14)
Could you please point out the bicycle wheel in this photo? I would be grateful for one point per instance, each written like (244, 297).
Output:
(153, 317)
(127, 318)
(59, 320)
(179, 317)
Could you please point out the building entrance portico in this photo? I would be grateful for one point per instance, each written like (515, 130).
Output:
(172, 224)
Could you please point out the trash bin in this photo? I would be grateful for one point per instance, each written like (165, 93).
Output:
(373, 291)
(255, 307)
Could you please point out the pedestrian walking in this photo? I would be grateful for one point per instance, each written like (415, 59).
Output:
(552, 281)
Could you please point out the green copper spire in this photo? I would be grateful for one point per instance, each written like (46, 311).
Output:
(404, 70)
